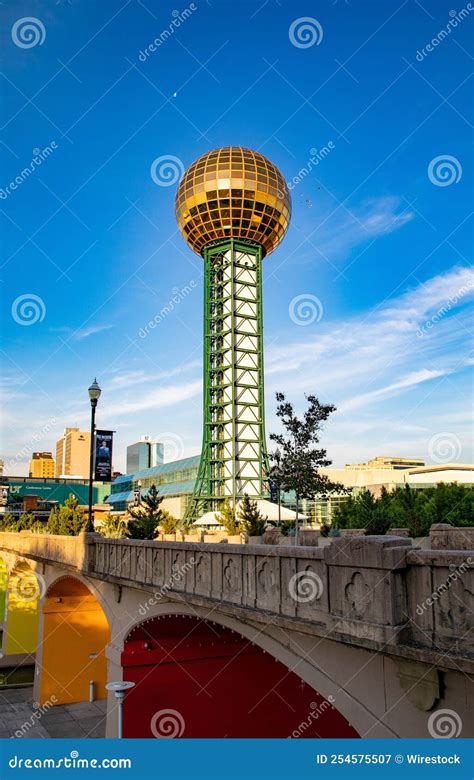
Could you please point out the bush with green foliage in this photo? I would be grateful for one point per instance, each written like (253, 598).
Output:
(227, 518)
(168, 523)
(405, 507)
(67, 520)
(113, 527)
(287, 527)
(251, 519)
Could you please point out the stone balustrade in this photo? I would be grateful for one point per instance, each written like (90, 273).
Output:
(378, 592)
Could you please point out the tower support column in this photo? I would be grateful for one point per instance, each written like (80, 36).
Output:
(234, 457)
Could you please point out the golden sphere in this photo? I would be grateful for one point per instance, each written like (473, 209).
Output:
(233, 192)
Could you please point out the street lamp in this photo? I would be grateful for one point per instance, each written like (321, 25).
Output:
(119, 689)
(94, 395)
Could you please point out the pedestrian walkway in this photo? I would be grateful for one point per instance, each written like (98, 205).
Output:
(21, 719)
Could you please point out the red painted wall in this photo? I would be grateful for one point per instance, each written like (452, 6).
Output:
(217, 684)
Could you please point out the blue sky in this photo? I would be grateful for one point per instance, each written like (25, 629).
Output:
(378, 247)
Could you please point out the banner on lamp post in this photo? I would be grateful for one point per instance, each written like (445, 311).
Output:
(103, 456)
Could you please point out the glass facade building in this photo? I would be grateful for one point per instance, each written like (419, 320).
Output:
(173, 480)
(144, 454)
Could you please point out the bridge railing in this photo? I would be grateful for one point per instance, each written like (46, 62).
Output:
(374, 591)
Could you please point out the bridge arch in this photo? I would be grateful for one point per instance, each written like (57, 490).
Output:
(195, 677)
(74, 634)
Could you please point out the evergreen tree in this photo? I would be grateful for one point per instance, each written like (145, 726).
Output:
(145, 519)
(299, 459)
(66, 520)
(251, 519)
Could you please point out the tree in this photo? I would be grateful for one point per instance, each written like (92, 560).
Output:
(66, 520)
(145, 518)
(251, 519)
(226, 517)
(299, 459)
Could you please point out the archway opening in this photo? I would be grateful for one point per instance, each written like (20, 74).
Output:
(74, 637)
(194, 678)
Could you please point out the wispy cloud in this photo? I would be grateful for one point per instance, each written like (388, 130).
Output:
(373, 218)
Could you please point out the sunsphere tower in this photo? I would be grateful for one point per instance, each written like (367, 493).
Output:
(232, 207)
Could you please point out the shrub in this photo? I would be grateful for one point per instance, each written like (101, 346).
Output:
(228, 519)
(168, 523)
(113, 527)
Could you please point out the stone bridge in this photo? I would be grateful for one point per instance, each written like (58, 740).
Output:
(369, 636)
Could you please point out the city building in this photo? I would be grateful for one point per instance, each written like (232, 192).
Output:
(42, 465)
(53, 490)
(73, 453)
(174, 480)
(386, 462)
(144, 454)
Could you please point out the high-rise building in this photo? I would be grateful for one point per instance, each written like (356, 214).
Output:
(73, 453)
(144, 454)
(42, 465)
(233, 207)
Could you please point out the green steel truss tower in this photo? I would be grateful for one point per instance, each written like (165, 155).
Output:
(234, 458)
(232, 207)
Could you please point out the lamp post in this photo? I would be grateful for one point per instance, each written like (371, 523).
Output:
(94, 395)
(119, 689)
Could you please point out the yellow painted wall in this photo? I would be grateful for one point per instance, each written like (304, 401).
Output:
(74, 627)
(3, 588)
(21, 625)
